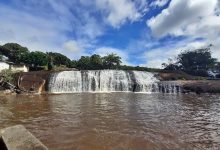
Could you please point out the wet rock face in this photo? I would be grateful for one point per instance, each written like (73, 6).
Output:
(18, 138)
(31, 83)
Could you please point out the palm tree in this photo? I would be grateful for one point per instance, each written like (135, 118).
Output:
(111, 61)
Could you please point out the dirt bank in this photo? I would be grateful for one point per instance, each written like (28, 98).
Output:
(165, 75)
(200, 86)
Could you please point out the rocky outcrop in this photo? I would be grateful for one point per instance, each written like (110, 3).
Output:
(8, 87)
(196, 86)
(201, 86)
(18, 138)
(34, 81)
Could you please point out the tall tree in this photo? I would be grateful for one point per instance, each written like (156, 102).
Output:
(84, 63)
(50, 64)
(111, 61)
(59, 59)
(96, 62)
(74, 63)
(36, 59)
(196, 59)
(14, 52)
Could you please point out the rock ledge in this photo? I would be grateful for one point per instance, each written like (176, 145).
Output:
(19, 138)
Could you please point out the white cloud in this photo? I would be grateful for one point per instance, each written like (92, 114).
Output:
(189, 18)
(159, 3)
(117, 12)
(156, 57)
(103, 51)
(47, 25)
(68, 27)
(72, 46)
(35, 32)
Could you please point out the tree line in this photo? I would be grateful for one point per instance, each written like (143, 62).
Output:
(37, 59)
(194, 62)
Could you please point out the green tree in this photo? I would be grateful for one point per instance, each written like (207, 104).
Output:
(59, 59)
(111, 61)
(74, 64)
(50, 64)
(196, 59)
(96, 62)
(8, 75)
(15, 52)
(84, 63)
(36, 59)
(1, 57)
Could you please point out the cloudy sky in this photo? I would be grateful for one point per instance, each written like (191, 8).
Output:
(142, 32)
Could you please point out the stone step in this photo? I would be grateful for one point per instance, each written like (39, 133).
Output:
(19, 138)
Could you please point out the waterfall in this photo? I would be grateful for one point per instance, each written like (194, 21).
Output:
(105, 81)
(169, 87)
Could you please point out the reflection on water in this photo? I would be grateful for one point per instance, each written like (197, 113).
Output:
(119, 121)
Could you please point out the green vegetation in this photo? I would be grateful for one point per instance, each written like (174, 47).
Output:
(196, 59)
(95, 62)
(15, 52)
(38, 60)
(58, 59)
(111, 61)
(8, 75)
(194, 62)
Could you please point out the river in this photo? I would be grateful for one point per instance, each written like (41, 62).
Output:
(117, 121)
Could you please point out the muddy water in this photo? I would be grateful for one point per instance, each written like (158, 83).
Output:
(117, 121)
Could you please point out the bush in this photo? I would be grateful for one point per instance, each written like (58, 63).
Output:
(7, 75)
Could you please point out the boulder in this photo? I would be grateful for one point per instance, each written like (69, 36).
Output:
(19, 138)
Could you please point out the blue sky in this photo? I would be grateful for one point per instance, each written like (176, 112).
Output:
(142, 32)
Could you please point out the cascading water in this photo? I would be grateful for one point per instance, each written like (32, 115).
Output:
(169, 87)
(103, 81)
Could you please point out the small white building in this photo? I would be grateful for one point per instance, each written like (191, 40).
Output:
(19, 68)
(13, 67)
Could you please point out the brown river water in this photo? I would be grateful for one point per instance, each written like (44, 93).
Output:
(117, 121)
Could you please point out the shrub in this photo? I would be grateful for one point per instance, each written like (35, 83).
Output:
(7, 75)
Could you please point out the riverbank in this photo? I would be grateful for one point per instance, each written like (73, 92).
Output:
(166, 75)
(201, 86)
(191, 83)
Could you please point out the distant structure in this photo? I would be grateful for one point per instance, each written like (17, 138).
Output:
(213, 73)
(13, 66)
